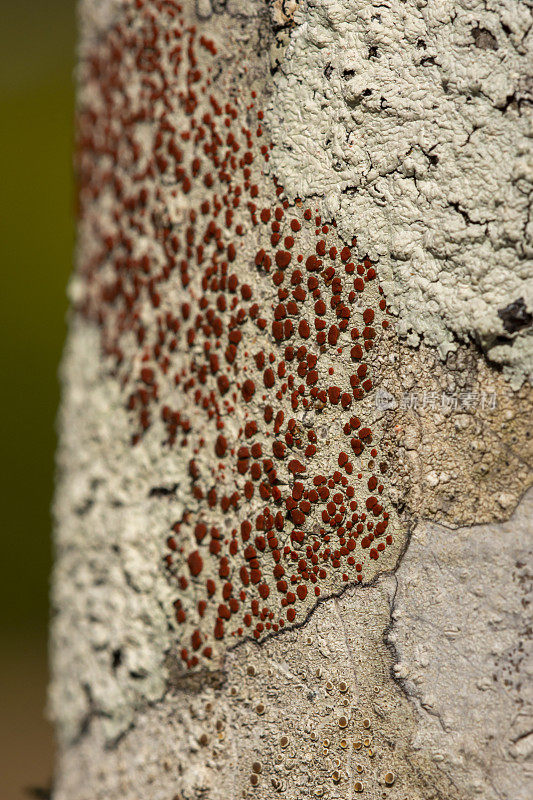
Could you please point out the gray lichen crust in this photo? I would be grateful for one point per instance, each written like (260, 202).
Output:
(416, 117)
(110, 600)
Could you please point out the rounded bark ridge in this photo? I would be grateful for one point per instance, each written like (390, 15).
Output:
(293, 509)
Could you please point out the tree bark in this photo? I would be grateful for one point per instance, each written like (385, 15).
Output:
(292, 514)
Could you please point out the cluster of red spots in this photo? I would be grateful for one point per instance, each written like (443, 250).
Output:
(176, 275)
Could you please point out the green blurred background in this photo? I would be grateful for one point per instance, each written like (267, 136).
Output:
(37, 45)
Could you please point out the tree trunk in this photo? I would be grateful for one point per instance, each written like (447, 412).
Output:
(292, 551)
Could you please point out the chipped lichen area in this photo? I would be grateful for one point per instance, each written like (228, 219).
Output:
(456, 437)
(418, 121)
(238, 331)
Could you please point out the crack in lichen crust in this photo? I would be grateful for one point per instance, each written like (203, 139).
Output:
(456, 437)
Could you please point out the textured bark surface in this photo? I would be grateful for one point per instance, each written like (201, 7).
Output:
(293, 549)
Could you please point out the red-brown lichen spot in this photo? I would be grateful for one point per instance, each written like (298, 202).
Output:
(240, 328)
